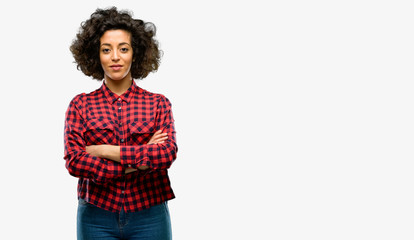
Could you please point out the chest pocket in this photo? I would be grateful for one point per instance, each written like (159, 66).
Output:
(99, 131)
(141, 132)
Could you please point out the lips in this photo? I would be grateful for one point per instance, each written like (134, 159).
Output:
(116, 67)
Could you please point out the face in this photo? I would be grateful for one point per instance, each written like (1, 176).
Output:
(116, 55)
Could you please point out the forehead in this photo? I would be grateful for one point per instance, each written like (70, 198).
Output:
(116, 36)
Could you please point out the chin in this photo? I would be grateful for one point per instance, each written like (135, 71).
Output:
(116, 78)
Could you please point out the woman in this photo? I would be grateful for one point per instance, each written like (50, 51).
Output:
(120, 138)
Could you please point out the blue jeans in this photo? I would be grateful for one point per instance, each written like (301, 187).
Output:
(95, 223)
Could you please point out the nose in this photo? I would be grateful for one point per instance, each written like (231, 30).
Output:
(115, 56)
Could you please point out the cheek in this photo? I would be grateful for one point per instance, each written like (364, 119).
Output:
(104, 64)
(129, 59)
(129, 62)
(103, 59)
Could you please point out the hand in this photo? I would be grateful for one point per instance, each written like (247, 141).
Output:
(130, 170)
(143, 168)
(158, 137)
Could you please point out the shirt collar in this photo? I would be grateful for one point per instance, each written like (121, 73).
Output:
(126, 96)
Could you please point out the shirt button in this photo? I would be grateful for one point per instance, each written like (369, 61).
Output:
(119, 108)
(122, 140)
(119, 99)
(120, 124)
(123, 191)
(129, 165)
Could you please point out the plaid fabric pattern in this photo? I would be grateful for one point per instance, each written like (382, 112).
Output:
(129, 121)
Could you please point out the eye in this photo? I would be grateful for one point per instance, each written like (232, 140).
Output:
(124, 50)
(106, 50)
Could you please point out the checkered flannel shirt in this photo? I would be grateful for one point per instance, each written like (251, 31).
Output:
(129, 121)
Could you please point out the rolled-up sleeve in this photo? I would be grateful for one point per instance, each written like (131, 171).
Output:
(155, 156)
(78, 162)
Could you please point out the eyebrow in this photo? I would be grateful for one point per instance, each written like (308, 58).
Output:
(122, 43)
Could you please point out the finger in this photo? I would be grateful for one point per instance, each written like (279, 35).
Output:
(162, 136)
(156, 136)
(158, 140)
(159, 137)
(157, 133)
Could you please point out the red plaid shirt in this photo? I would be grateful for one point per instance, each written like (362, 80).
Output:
(129, 121)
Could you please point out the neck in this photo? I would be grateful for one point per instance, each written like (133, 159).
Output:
(119, 86)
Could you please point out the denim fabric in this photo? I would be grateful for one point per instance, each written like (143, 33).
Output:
(149, 224)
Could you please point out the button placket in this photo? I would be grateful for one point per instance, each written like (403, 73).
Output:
(121, 132)
(121, 135)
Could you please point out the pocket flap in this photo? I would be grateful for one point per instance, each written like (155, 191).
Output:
(100, 123)
(142, 127)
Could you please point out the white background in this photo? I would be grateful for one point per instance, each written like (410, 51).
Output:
(294, 118)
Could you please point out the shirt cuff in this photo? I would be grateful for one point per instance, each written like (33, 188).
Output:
(135, 156)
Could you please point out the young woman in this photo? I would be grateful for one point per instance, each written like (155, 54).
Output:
(120, 138)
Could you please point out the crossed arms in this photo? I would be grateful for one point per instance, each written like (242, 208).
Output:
(102, 163)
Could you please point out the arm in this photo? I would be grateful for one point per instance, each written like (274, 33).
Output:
(155, 156)
(113, 152)
(79, 162)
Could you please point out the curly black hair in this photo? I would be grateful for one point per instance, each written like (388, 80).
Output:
(85, 47)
